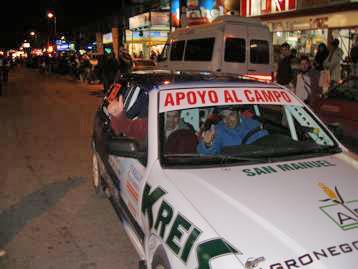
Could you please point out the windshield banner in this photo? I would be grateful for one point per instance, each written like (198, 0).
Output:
(191, 98)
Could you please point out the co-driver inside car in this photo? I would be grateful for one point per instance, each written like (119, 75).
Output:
(233, 130)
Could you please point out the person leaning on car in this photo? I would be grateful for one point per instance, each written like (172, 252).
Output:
(231, 131)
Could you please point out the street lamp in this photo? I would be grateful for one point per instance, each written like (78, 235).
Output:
(50, 16)
(32, 33)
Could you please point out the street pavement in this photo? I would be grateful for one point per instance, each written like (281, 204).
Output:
(50, 216)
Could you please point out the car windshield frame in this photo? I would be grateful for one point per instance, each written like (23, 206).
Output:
(233, 160)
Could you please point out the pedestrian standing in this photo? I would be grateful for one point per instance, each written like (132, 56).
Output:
(84, 68)
(354, 58)
(333, 62)
(284, 71)
(109, 68)
(321, 56)
(5, 69)
(92, 76)
(125, 61)
(1, 75)
(307, 86)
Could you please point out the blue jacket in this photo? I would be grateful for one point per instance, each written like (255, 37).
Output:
(225, 136)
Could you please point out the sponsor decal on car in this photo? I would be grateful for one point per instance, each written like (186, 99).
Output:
(182, 99)
(288, 167)
(132, 191)
(132, 209)
(343, 213)
(181, 230)
(318, 255)
(134, 174)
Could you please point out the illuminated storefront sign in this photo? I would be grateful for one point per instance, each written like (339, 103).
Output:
(136, 36)
(201, 11)
(334, 20)
(175, 13)
(107, 38)
(139, 21)
(63, 47)
(157, 20)
(264, 7)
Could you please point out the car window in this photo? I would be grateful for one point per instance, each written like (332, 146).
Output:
(235, 50)
(199, 49)
(177, 51)
(259, 52)
(131, 121)
(241, 125)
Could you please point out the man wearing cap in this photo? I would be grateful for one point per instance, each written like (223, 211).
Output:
(233, 130)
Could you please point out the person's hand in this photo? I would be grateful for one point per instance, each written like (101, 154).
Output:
(116, 107)
(208, 137)
(120, 104)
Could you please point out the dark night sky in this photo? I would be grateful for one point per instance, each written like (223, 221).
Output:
(18, 18)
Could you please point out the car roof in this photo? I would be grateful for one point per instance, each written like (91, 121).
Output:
(164, 79)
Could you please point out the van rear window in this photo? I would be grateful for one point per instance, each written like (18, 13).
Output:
(235, 50)
(199, 49)
(176, 54)
(259, 52)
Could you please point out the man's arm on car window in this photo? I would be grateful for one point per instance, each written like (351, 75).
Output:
(212, 149)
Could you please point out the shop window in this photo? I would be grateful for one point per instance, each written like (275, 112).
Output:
(235, 50)
(259, 52)
(199, 49)
(177, 51)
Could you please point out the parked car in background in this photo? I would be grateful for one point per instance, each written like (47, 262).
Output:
(340, 109)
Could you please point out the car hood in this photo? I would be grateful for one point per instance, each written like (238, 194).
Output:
(296, 214)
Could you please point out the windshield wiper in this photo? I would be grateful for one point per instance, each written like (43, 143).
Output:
(321, 149)
(221, 157)
(289, 151)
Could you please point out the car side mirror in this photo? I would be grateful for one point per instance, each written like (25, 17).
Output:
(125, 147)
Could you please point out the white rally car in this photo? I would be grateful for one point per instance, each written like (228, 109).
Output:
(278, 192)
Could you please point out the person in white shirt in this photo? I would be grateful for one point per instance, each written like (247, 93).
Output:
(307, 86)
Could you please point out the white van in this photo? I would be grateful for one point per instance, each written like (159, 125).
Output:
(229, 45)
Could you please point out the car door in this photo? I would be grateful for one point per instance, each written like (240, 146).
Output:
(127, 173)
(101, 132)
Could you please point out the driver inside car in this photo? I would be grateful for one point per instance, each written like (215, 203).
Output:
(232, 130)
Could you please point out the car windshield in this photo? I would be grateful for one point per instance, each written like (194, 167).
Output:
(236, 126)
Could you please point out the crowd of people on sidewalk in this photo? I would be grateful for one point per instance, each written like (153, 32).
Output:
(88, 68)
(309, 78)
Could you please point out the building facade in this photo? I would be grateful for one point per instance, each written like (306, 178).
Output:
(306, 23)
